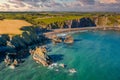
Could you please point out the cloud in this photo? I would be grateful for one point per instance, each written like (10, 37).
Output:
(108, 5)
(15, 5)
(60, 5)
(108, 1)
(88, 2)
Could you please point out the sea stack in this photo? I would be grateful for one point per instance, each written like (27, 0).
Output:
(40, 56)
(56, 39)
(69, 39)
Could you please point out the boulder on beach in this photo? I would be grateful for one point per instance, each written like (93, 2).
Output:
(40, 56)
(69, 39)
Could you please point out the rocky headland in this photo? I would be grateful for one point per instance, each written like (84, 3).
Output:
(39, 54)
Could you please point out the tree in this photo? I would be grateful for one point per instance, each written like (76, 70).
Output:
(18, 42)
(3, 39)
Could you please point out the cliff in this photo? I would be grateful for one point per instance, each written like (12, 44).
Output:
(94, 21)
(75, 23)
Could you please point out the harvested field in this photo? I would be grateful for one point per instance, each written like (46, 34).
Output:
(12, 26)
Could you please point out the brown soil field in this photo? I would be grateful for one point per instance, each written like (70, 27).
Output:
(12, 26)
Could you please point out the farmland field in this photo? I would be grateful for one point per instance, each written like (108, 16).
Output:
(12, 26)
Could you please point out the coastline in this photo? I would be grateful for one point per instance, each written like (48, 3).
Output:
(64, 32)
(69, 30)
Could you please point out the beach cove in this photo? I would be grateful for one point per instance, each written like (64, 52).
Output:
(94, 55)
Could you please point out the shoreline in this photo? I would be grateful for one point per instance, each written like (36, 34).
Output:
(73, 30)
(69, 30)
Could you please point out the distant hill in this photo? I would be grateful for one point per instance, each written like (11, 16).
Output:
(12, 26)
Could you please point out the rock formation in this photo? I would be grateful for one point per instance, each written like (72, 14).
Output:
(68, 39)
(12, 63)
(15, 62)
(7, 60)
(56, 39)
(40, 56)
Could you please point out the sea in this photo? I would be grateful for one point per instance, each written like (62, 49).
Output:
(94, 55)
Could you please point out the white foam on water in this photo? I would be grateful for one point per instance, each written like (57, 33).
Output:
(52, 66)
(61, 35)
(12, 67)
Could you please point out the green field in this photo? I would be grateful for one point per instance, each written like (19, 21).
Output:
(43, 19)
(57, 19)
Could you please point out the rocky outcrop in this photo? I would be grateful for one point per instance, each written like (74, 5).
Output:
(12, 63)
(56, 39)
(69, 39)
(40, 56)
(86, 22)
(83, 22)
(7, 60)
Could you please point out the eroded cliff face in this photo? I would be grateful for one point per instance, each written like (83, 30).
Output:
(106, 21)
(83, 22)
(95, 21)
(76, 23)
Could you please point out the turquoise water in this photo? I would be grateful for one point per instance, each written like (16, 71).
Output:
(94, 55)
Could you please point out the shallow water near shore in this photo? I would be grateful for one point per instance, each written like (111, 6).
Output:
(94, 55)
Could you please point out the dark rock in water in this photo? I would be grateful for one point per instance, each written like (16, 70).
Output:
(56, 39)
(69, 39)
(40, 56)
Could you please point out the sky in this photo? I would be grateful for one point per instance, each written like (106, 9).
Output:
(60, 5)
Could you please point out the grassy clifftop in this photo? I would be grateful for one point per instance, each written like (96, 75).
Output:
(43, 19)
(49, 20)
(52, 20)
